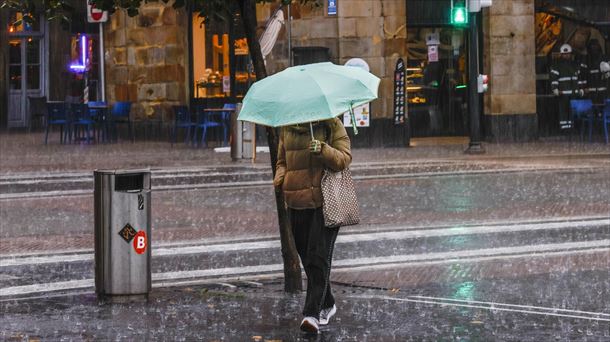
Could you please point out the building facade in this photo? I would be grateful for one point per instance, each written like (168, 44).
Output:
(166, 57)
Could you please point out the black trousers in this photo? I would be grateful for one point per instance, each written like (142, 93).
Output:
(315, 244)
(564, 108)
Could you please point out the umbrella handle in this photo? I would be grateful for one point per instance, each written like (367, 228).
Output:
(311, 130)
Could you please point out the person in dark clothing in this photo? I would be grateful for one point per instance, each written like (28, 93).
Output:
(301, 161)
(597, 89)
(566, 84)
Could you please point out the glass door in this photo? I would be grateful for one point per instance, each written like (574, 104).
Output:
(437, 91)
(26, 72)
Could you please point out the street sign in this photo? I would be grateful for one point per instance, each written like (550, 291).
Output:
(95, 15)
(358, 62)
(400, 108)
(433, 53)
(332, 7)
(362, 113)
(482, 83)
(477, 5)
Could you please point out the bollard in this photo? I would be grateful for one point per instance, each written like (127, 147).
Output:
(243, 137)
(236, 135)
(122, 234)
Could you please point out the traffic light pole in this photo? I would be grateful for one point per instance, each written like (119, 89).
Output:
(474, 147)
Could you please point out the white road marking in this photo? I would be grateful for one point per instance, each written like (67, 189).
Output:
(266, 183)
(495, 304)
(603, 245)
(360, 264)
(491, 308)
(255, 283)
(357, 236)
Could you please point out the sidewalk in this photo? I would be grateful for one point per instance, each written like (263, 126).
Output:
(26, 153)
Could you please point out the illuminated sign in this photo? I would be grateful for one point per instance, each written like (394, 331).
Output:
(81, 65)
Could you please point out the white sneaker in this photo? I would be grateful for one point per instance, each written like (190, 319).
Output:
(326, 314)
(310, 325)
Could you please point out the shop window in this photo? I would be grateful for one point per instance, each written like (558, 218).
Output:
(211, 60)
(15, 64)
(437, 81)
(33, 63)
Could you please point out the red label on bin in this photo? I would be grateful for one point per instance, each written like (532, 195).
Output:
(140, 242)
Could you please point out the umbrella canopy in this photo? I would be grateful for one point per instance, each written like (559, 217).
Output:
(308, 93)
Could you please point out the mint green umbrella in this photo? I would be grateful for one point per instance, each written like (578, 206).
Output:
(308, 93)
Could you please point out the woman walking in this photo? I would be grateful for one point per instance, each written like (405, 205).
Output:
(301, 161)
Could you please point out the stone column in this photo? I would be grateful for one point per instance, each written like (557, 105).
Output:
(509, 60)
(375, 30)
(147, 60)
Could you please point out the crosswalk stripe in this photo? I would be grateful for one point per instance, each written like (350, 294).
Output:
(395, 233)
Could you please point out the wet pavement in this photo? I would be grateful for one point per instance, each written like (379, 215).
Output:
(513, 245)
(25, 153)
(244, 211)
(483, 310)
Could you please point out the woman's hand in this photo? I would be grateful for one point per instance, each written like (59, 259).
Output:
(315, 147)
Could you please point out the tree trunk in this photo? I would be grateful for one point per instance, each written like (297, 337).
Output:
(292, 267)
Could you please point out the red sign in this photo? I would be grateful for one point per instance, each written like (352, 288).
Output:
(95, 15)
(140, 242)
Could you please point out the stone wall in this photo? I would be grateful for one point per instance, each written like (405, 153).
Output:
(509, 60)
(147, 60)
(374, 30)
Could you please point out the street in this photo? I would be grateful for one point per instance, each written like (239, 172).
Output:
(444, 167)
(462, 249)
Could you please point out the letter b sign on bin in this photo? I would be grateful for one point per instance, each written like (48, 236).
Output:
(122, 232)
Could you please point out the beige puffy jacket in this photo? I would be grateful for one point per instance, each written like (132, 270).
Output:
(299, 172)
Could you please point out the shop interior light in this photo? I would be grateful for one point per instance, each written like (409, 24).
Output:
(83, 56)
(461, 86)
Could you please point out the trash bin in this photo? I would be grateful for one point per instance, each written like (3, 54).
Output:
(243, 134)
(122, 233)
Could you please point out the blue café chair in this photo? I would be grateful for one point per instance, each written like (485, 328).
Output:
(120, 114)
(226, 119)
(205, 121)
(182, 119)
(606, 118)
(98, 115)
(582, 110)
(57, 115)
(81, 118)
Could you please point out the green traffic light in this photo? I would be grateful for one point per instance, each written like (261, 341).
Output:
(459, 16)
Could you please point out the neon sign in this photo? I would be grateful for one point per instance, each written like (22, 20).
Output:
(83, 57)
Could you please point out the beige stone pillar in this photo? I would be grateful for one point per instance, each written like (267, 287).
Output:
(374, 30)
(509, 56)
(147, 59)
